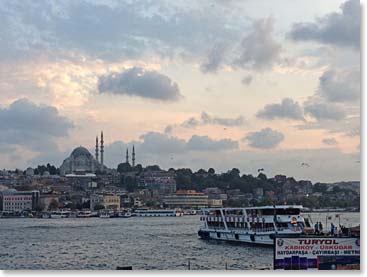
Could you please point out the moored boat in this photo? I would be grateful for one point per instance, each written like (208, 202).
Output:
(157, 213)
(255, 225)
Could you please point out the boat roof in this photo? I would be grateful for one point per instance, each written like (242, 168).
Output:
(261, 207)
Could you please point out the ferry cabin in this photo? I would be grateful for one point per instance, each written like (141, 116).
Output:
(254, 225)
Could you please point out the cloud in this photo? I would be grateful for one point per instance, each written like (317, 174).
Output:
(329, 141)
(287, 109)
(324, 111)
(207, 119)
(339, 29)
(35, 127)
(215, 59)
(111, 30)
(247, 80)
(154, 142)
(204, 143)
(259, 50)
(340, 85)
(265, 139)
(137, 81)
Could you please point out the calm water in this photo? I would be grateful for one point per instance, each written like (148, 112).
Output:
(144, 243)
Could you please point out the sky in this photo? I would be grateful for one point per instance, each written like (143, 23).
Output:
(192, 84)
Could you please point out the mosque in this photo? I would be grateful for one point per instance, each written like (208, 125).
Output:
(81, 161)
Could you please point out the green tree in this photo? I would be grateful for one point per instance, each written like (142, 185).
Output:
(98, 207)
(211, 171)
(54, 204)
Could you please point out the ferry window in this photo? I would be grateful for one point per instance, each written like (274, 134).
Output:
(288, 211)
(268, 212)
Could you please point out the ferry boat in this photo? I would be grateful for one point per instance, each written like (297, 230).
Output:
(157, 213)
(86, 214)
(59, 214)
(255, 225)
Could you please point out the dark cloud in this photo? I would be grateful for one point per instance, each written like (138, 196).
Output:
(340, 85)
(340, 29)
(324, 111)
(139, 82)
(32, 126)
(329, 141)
(265, 139)
(247, 80)
(287, 109)
(259, 50)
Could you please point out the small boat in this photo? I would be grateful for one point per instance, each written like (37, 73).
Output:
(59, 214)
(189, 212)
(125, 215)
(85, 214)
(104, 215)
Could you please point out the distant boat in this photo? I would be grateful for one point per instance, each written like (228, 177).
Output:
(59, 214)
(157, 213)
(85, 214)
(125, 215)
(104, 215)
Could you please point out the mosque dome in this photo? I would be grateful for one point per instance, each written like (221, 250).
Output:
(80, 151)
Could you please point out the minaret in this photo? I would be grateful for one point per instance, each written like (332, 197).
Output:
(102, 148)
(133, 158)
(97, 151)
(127, 155)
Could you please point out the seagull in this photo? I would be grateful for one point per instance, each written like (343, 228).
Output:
(260, 169)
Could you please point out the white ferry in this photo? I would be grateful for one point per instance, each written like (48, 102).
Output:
(157, 213)
(256, 225)
(59, 214)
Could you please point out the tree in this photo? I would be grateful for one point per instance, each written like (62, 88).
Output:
(139, 168)
(98, 207)
(262, 177)
(201, 171)
(152, 168)
(54, 204)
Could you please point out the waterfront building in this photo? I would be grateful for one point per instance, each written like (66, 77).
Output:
(82, 180)
(17, 201)
(186, 199)
(215, 203)
(111, 202)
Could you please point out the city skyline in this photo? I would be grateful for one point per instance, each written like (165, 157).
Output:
(220, 84)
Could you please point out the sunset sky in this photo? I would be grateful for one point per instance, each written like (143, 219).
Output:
(223, 84)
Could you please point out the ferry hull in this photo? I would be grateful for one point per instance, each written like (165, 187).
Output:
(258, 239)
